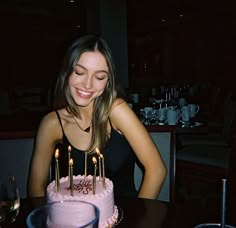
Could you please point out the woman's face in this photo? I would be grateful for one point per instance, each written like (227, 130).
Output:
(89, 78)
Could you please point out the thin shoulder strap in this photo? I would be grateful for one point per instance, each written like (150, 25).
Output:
(59, 118)
(109, 121)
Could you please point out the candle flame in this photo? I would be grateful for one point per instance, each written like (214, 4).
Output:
(69, 148)
(71, 162)
(101, 156)
(97, 151)
(94, 160)
(57, 153)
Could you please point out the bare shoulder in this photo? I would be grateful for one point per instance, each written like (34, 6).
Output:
(119, 108)
(50, 119)
(50, 125)
(118, 103)
(122, 115)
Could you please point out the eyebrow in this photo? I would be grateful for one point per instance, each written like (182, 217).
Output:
(99, 71)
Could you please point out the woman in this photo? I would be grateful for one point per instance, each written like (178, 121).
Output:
(90, 114)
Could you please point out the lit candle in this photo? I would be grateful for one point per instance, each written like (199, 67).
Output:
(99, 164)
(71, 176)
(69, 153)
(103, 171)
(57, 174)
(85, 164)
(94, 175)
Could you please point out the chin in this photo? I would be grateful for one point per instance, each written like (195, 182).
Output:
(84, 103)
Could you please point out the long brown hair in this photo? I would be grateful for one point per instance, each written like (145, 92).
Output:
(102, 104)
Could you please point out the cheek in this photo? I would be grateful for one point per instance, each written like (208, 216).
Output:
(72, 83)
(101, 86)
(72, 80)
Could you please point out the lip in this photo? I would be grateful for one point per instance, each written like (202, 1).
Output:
(83, 93)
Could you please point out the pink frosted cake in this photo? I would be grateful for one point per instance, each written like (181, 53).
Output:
(83, 190)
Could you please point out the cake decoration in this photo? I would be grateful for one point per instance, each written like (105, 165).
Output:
(84, 186)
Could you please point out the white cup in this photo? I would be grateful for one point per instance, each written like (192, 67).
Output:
(185, 114)
(194, 109)
(173, 117)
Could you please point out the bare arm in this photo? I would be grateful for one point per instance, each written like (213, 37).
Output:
(43, 152)
(125, 121)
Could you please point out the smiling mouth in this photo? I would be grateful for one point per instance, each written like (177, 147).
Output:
(84, 93)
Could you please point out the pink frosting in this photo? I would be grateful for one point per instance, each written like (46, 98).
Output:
(83, 190)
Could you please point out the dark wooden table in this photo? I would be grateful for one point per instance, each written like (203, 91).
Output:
(141, 213)
(180, 128)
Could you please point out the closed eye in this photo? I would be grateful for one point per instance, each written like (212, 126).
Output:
(78, 73)
(101, 78)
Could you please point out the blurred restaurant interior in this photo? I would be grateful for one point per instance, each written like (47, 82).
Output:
(165, 51)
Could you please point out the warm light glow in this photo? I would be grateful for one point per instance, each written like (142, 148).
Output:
(94, 160)
(71, 162)
(69, 148)
(57, 153)
(101, 156)
(97, 151)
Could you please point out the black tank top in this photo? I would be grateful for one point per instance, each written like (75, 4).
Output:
(119, 160)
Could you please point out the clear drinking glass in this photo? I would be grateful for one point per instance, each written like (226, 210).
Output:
(64, 214)
(146, 114)
(9, 200)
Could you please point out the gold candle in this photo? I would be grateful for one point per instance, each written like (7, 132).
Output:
(57, 173)
(94, 175)
(85, 164)
(69, 153)
(71, 177)
(99, 164)
(103, 171)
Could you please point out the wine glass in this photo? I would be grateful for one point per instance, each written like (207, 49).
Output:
(146, 114)
(9, 200)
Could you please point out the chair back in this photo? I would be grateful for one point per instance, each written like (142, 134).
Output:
(214, 98)
(165, 142)
(229, 115)
(15, 157)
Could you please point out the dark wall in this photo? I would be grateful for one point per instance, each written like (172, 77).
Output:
(181, 41)
(34, 37)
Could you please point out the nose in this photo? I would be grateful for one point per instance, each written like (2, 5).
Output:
(88, 83)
